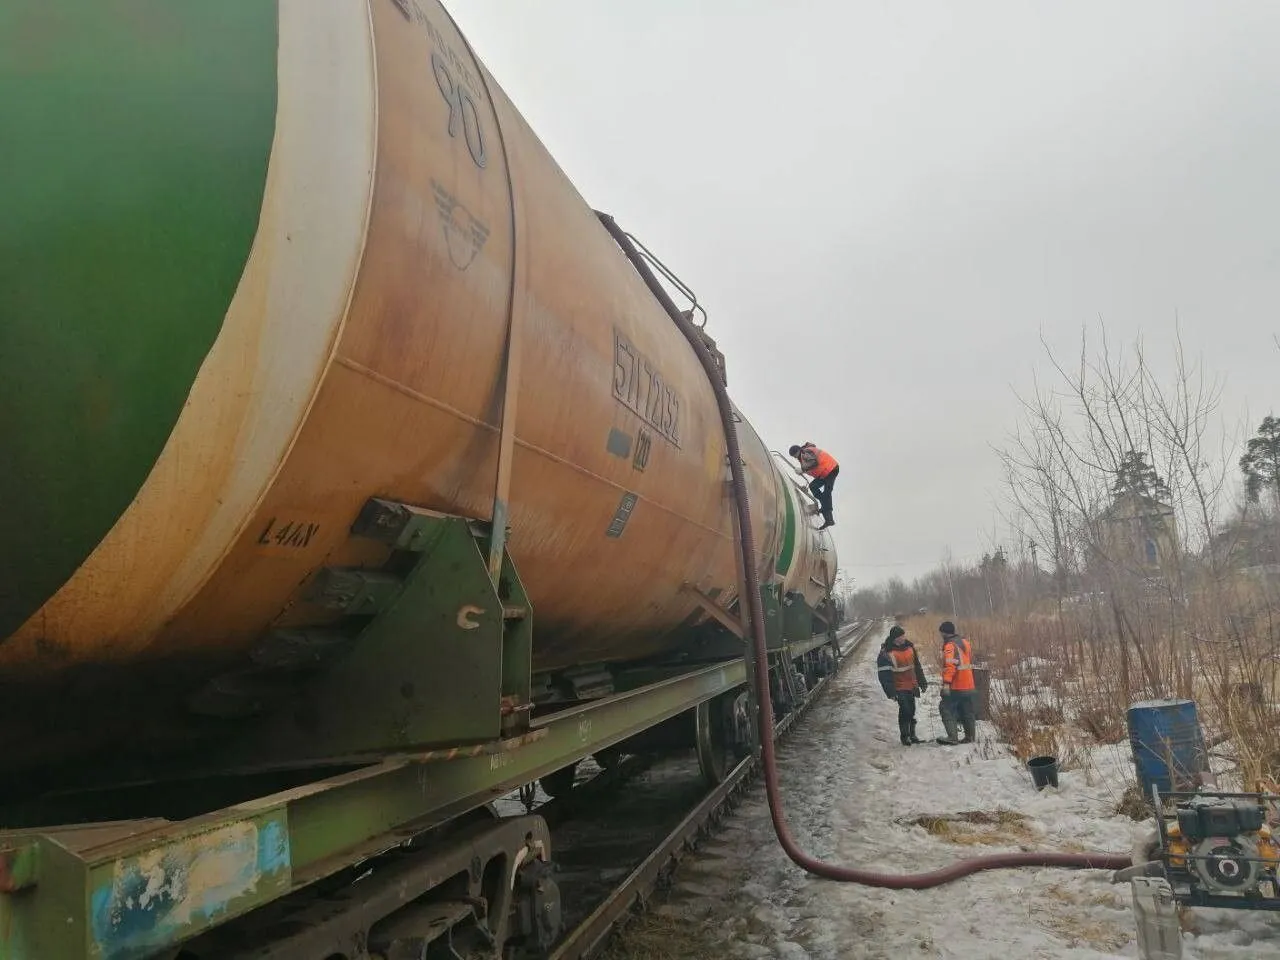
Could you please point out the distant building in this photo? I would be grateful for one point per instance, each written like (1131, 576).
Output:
(1140, 533)
(1247, 542)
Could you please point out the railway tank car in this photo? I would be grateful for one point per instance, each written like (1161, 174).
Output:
(272, 271)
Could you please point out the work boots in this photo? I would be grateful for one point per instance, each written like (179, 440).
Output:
(905, 734)
(950, 740)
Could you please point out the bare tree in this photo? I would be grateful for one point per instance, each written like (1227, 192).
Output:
(1112, 458)
(1114, 471)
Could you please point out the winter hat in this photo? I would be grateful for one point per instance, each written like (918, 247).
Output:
(895, 633)
(947, 628)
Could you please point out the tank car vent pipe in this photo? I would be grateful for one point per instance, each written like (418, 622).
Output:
(751, 591)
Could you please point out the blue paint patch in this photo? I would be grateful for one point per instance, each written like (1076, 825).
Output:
(273, 848)
(100, 913)
(158, 898)
(126, 915)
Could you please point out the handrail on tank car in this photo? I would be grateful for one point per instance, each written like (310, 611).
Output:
(675, 281)
(801, 487)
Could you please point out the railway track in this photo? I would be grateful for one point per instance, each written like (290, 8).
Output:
(431, 883)
(632, 894)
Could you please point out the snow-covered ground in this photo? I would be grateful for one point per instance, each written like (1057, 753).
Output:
(853, 795)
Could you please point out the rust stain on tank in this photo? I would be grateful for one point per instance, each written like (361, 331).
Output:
(408, 408)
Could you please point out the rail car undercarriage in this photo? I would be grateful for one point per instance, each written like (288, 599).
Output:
(399, 856)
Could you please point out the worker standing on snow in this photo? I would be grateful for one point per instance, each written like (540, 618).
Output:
(959, 699)
(902, 678)
(823, 467)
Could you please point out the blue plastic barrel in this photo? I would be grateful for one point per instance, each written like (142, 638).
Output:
(1168, 747)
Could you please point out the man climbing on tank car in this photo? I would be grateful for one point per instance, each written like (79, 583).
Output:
(959, 703)
(902, 678)
(823, 467)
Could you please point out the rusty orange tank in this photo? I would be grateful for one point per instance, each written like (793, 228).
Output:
(285, 282)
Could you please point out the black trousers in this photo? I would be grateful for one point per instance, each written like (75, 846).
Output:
(906, 707)
(906, 714)
(820, 487)
(959, 714)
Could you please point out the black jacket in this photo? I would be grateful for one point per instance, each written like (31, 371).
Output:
(884, 669)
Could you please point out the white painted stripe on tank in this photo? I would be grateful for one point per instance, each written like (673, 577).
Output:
(258, 382)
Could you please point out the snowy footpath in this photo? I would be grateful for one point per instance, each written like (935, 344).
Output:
(853, 795)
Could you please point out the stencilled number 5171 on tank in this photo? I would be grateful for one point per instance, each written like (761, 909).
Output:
(639, 385)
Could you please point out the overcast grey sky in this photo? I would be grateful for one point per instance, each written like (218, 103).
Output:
(883, 204)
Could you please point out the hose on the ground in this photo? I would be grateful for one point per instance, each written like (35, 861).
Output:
(750, 595)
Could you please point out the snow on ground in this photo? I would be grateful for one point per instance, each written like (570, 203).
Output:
(852, 794)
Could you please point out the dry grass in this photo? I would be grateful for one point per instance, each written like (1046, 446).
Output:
(1092, 898)
(977, 827)
(1081, 931)
(1101, 721)
(659, 937)
(1133, 804)
(1077, 928)
(923, 632)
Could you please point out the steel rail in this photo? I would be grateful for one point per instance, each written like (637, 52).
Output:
(634, 890)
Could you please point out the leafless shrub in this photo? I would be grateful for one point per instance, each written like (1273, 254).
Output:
(1112, 470)
(1102, 720)
(1157, 585)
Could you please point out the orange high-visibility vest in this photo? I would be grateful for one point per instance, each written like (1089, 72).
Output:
(826, 462)
(903, 661)
(957, 664)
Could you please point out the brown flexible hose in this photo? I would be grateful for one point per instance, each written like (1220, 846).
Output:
(755, 610)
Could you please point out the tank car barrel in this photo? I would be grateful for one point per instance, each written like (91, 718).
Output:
(288, 284)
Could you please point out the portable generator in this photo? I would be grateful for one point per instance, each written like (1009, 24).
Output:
(1218, 849)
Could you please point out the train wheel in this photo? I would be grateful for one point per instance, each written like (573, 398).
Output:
(780, 694)
(722, 730)
(801, 680)
(813, 667)
(560, 783)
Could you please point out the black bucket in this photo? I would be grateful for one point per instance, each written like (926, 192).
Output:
(1044, 771)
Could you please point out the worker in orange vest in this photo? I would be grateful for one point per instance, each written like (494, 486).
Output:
(822, 466)
(902, 678)
(959, 699)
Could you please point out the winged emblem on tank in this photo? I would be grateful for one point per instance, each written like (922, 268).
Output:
(464, 235)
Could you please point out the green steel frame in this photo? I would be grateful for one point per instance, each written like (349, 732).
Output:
(129, 890)
(123, 891)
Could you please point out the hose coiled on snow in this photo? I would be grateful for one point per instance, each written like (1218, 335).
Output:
(751, 596)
